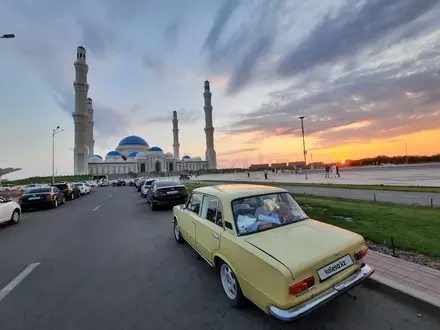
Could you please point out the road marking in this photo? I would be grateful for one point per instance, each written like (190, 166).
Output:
(413, 196)
(16, 281)
(96, 208)
(109, 195)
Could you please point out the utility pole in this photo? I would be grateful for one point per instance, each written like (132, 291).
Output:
(304, 143)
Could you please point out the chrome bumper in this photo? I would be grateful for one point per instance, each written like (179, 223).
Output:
(310, 305)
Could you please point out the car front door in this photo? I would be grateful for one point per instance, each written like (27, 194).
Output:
(3, 209)
(209, 227)
(189, 217)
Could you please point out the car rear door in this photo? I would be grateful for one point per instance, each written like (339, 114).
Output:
(209, 227)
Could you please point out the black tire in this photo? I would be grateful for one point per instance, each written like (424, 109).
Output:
(152, 205)
(15, 217)
(239, 300)
(63, 201)
(177, 235)
(55, 204)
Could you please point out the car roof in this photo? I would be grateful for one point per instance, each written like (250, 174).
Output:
(234, 191)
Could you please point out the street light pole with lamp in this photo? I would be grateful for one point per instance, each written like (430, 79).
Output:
(54, 132)
(304, 143)
(7, 36)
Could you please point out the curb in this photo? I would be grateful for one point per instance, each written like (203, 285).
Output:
(417, 298)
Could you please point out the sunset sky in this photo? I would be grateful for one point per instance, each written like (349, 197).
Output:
(365, 74)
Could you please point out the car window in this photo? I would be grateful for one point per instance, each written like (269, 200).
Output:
(263, 212)
(212, 210)
(168, 183)
(39, 190)
(61, 186)
(194, 203)
(56, 190)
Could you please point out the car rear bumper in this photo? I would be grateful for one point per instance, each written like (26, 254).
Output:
(170, 201)
(36, 203)
(315, 302)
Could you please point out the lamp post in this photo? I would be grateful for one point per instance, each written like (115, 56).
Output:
(54, 132)
(304, 143)
(7, 36)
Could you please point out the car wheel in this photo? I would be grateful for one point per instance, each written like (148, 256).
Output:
(72, 197)
(63, 201)
(177, 234)
(231, 287)
(55, 204)
(15, 218)
(152, 205)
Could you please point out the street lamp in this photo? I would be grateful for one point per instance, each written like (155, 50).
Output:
(55, 131)
(304, 143)
(7, 36)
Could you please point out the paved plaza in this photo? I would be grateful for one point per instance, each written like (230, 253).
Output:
(423, 175)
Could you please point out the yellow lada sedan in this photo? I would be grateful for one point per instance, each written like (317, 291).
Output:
(267, 250)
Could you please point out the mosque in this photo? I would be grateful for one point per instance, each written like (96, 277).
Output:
(133, 155)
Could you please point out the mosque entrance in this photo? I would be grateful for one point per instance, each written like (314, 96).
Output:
(143, 168)
(157, 167)
(171, 167)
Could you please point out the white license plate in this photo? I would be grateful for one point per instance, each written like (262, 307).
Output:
(335, 267)
(172, 192)
(33, 198)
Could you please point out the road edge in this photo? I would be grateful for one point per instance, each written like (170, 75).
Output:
(417, 298)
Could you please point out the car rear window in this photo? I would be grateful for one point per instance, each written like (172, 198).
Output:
(160, 184)
(60, 186)
(39, 190)
(148, 182)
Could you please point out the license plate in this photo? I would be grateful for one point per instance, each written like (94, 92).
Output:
(335, 267)
(172, 192)
(33, 198)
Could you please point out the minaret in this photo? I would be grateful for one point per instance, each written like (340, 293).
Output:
(81, 116)
(210, 154)
(91, 123)
(176, 144)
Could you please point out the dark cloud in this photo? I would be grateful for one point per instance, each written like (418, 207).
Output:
(156, 64)
(358, 25)
(238, 151)
(185, 116)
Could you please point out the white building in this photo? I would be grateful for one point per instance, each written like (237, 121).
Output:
(133, 154)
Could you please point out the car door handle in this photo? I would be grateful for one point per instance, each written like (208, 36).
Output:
(216, 236)
(194, 221)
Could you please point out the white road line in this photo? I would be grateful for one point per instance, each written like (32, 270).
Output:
(109, 195)
(16, 281)
(96, 208)
(413, 196)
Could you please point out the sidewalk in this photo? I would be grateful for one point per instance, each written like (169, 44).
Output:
(412, 279)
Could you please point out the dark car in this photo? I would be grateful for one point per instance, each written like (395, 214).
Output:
(121, 183)
(139, 185)
(166, 192)
(69, 190)
(40, 197)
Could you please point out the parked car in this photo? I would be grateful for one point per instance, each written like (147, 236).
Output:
(121, 183)
(9, 211)
(104, 183)
(41, 197)
(139, 184)
(268, 251)
(145, 187)
(84, 188)
(70, 191)
(166, 193)
(7, 188)
(29, 186)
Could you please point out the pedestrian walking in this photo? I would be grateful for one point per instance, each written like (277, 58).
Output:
(265, 174)
(337, 171)
(327, 171)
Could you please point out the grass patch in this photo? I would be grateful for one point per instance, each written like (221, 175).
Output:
(344, 186)
(412, 228)
(48, 179)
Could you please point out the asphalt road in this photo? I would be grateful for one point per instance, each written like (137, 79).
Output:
(384, 196)
(118, 267)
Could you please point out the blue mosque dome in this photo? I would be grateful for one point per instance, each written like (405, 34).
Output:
(114, 153)
(133, 154)
(133, 140)
(95, 156)
(155, 149)
(186, 157)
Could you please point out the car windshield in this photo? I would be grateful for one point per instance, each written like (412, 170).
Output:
(161, 184)
(39, 190)
(78, 184)
(257, 213)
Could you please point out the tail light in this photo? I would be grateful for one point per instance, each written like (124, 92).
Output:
(301, 286)
(20, 198)
(359, 255)
(67, 190)
(49, 196)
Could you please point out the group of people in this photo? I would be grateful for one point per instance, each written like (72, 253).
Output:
(332, 170)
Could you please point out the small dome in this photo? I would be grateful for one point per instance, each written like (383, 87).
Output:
(98, 156)
(196, 158)
(133, 154)
(81, 47)
(155, 149)
(133, 140)
(114, 153)
(186, 157)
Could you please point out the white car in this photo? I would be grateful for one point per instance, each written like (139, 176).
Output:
(145, 187)
(9, 211)
(92, 183)
(8, 187)
(30, 186)
(104, 184)
(84, 188)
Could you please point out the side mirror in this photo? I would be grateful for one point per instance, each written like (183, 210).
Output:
(182, 206)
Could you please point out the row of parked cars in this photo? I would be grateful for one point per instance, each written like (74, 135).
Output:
(162, 191)
(38, 196)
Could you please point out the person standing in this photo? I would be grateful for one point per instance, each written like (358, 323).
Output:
(327, 171)
(265, 174)
(337, 171)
